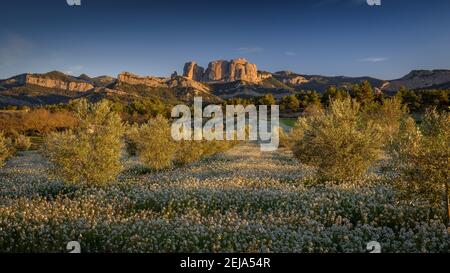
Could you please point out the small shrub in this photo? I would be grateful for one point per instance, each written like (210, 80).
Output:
(5, 148)
(89, 155)
(190, 151)
(22, 143)
(285, 141)
(154, 144)
(338, 141)
(421, 157)
(388, 115)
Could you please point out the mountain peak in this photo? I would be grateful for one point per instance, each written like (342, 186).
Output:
(238, 69)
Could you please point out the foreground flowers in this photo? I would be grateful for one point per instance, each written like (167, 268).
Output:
(239, 201)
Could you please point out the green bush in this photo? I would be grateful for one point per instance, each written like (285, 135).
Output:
(89, 155)
(5, 148)
(387, 115)
(296, 134)
(338, 141)
(421, 157)
(285, 141)
(190, 151)
(154, 144)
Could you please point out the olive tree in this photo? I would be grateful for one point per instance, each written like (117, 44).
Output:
(421, 157)
(89, 154)
(338, 141)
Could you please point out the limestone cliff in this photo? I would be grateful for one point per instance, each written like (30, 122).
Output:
(129, 78)
(184, 82)
(290, 78)
(53, 80)
(223, 71)
(193, 71)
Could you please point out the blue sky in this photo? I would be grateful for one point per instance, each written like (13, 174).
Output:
(328, 37)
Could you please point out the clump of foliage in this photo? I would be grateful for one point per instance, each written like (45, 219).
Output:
(36, 121)
(387, 114)
(422, 157)
(308, 98)
(339, 142)
(363, 93)
(295, 135)
(5, 148)
(267, 99)
(131, 136)
(22, 142)
(154, 144)
(289, 103)
(334, 93)
(89, 154)
(420, 100)
(285, 141)
(189, 151)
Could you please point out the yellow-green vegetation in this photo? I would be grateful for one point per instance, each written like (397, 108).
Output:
(285, 139)
(189, 151)
(89, 154)
(422, 160)
(238, 200)
(386, 114)
(153, 143)
(5, 148)
(242, 200)
(22, 142)
(288, 121)
(338, 142)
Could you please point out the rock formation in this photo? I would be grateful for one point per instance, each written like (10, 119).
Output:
(223, 71)
(217, 71)
(241, 69)
(193, 71)
(54, 80)
(184, 82)
(290, 78)
(264, 75)
(129, 78)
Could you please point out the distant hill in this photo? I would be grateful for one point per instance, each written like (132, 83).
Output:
(321, 83)
(56, 87)
(221, 80)
(421, 79)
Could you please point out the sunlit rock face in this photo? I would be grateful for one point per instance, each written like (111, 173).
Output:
(193, 72)
(54, 80)
(129, 78)
(223, 71)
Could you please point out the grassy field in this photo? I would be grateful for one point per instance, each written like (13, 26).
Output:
(239, 201)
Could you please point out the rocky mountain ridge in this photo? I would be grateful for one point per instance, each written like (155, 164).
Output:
(222, 71)
(420, 79)
(221, 80)
(54, 80)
